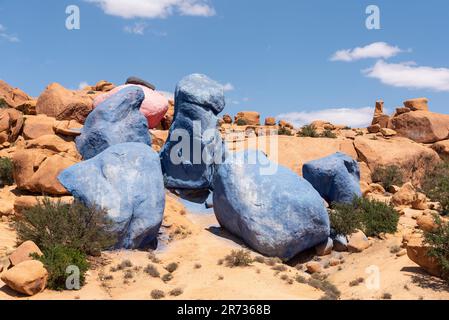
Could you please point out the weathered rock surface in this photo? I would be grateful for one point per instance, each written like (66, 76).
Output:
(24, 252)
(277, 214)
(422, 126)
(37, 126)
(117, 120)
(63, 104)
(11, 122)
(12, 97)
(28, 277)
(419, 253)
(418, 104)
(336, 177)
(126, 180)
(250, 118)
(358, 242)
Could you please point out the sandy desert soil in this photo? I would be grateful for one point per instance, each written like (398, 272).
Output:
(196, 243)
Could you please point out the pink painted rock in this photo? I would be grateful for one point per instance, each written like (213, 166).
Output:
(153, 107)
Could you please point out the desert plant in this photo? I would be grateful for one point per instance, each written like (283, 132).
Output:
(280, 268)
(157, 294)
(75, 225)
(438, 242)
(371, 216)
(171, 267)
(240, 258)
(283, 131)
(388, 176)
(308, 131)
(356, 282)
(152, 271)
(56, 259)
(6, 172)
(330, 290)
(241, 122)
(329, 134)
(386, 296)
(167, 277)
(176, 292)
(197, 266)
(436, 185)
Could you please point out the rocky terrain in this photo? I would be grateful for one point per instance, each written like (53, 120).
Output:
(266, 237)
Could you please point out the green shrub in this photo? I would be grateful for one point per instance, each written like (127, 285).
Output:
(6, 169)
(56, 259)
(388, 176)
(157, 294)
(152, 271)
(329, 134)
(76, 226)
(308, 131)
(240, 258)
(285, 132)
(438, 241)
(436, 185)
(176, 292)
(171, 267)
(241, 122)
(371, 216)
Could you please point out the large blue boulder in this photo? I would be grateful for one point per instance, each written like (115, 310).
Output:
(336, 177)
(126, 180)
(116, 120)
(275, 211)
(194, 144)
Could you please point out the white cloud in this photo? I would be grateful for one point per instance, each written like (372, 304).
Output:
(137, 28)
(357, 117)
(409, 75)
(374, 50)
(82, 85)
(8, 37)
(228, 87)
(155, 8)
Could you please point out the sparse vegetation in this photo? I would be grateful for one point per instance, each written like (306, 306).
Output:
(259, 259)
(356, 282)
(283, 131)
(240, 258)
(371, 216)
(329, 134)
(436, 185)
(280, 268)
(395, 249)
(388, 176)
(172, 267)
(152, 271)
(157, 294)
(76, 226)
(197, 266)
(176, 292)
(6, 172)
(167, 277)
(56, 259)
(438, 241)
(386, 296)
(128, 274)
(308, 131)
(153, 258)
(330, 291)
(124, 264)
(241, 122)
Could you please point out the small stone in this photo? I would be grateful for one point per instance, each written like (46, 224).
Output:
(334, 262)
(358, 242)
(24, 252)
(401, 253)
(28, 277)
(314, 267)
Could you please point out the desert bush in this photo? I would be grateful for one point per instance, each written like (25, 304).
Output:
(356, 282)
(87, 229)
(387, 296)
(171, 267)
(436, 185)
(388, 176)
(240, 258)
(241, 122)
(330, 290)
(197, 266)
(176, 292)
(283, 131)
(280, 268)
(157, 294)
(167, 277)
(56, 259)
(308, 131)
(438, 241)
(329, 134)
(371, 216)
(152, 271)
(6, 169)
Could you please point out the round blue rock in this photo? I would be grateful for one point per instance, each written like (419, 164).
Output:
(275, 212)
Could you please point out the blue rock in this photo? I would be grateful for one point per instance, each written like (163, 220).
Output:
(126, 180)
(194, 144)
(336, 177)
(116, 120)
(276, 212)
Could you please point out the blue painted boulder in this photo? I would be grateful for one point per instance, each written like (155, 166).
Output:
(194, 144)
(276, 212)
(336, 177)
(126, 180)
(116, 120)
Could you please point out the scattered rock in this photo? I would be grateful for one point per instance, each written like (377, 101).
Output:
(358, 242)
(442, 148)
(12, 97)
(375, 128)
(104, 86)
(426, 223)
(153, 107)
(401, 253)
(388, 132)
(393, 189)
(37, 126)
(69, 128)
(405, 196)
(419, 104)
(278, 215)
(336, 177)
(116, 120)
(250, 118)
(126, 180)
(333, 262)
(227, 119)
(314, 267)
(63, 104)
(198, 98)
(24, 252)
(376, 188)
(28, 277)
(419, 202)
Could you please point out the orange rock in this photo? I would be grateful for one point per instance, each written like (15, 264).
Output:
(270, 121)
(419, 253)
(417, 104)
(12, 97)
(358, 242)
(251, 118)
(314, 267)
(28, 277)
(24, 252)
(36, 126)
(11, 122)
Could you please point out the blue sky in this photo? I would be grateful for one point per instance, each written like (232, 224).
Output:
(273, 56)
